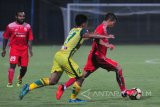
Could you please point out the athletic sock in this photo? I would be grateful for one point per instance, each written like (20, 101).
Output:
(39, 83)
(10, 75)
(22, 73)
(75, 91)
(122, 83)
(69, 82)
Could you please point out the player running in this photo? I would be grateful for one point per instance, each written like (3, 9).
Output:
(63, 59)
(97, 58)
(20, 35)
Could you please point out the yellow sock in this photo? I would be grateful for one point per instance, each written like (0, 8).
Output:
(75, 91)
(39, 83)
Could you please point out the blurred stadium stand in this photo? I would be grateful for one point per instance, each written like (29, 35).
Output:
(47, 22)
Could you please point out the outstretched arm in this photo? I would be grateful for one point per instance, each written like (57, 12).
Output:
(111, 46)
(95, 35)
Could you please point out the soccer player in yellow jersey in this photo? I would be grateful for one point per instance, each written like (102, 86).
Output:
(63, 59)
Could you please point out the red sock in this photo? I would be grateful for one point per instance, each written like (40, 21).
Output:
(10, 75)
(122, 84)
(70, 82)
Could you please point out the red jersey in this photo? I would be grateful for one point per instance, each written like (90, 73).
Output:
(97, 48)
(19, 35)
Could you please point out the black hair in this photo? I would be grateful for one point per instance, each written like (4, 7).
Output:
(111, 17)
(16, 14)
(80, 19)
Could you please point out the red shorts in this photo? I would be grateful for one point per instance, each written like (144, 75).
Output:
(19, 57)
(96, 61)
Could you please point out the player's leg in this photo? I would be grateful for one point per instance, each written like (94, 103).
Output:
(121, 83)
(73, 71)
(55, 76)
(13, 58)
(23, 71)
(56, 73)
(11, 72)
(111, 65)
(89, 67)
(23, 62)
(52, 80)
(77, 87)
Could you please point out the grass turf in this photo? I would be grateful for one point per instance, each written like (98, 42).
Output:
(141, 68)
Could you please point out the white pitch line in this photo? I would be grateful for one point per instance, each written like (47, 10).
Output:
(153, 61)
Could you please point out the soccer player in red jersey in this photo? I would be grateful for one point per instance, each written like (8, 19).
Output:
(20, 35)
(97, 58)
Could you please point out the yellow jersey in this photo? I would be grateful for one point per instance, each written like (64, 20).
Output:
(73, 41)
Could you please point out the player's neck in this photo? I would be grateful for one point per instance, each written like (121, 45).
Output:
(79, 27)
(19, 23)
(105, 23)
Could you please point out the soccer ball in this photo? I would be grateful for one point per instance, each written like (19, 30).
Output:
(137, 95)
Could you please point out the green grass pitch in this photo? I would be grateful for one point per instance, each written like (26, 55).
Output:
(141, 68)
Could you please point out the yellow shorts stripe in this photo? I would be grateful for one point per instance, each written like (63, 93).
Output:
(72, 68)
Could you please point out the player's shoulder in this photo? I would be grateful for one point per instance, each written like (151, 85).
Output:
(100, 26)
(12, 24)
(27, 25)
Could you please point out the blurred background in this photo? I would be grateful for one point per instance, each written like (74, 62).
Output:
(138, 20)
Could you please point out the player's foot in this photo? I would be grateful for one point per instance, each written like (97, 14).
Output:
(9, 85)
(77, 100)
(127, 93)
(24, 91)
(59, 92)
(123, 93)
(130, 92)
(19, 83)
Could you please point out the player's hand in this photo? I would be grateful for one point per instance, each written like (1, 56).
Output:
(110, 36)
(111, 46)
(3, 53)
(31, 53)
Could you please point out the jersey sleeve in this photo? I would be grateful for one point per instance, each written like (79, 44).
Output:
(83, 31)
(30, 35)
(6, 33)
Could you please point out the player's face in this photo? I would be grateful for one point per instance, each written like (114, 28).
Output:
(112, 23)
(20, 17)
(85, 25)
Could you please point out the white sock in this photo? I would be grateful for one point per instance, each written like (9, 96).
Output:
(64, 87)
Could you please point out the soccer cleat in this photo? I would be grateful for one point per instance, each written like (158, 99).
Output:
(19, 83)
(128, 93)
(124, 94)
(59, 92)
(9, 85)
(24, 91)
(77, 100)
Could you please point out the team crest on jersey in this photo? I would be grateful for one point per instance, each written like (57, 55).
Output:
(16, 30)
(25, 29)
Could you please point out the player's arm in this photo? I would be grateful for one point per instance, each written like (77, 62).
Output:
(111, 46)
(5, 41)
(30, 42)
(6, 36)
(85, 34)
(30, 48)
(97, 36)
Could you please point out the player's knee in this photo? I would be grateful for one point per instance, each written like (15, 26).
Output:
(86, 74)
(23, 68)
(118, 67)
(12, 66)
(52, 81)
